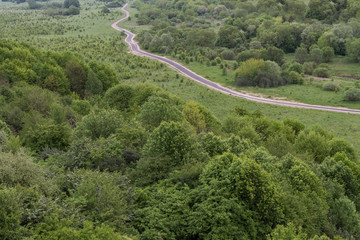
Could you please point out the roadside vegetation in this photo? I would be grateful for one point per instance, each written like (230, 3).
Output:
(96, 143)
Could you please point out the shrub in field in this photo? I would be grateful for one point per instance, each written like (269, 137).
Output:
(353, 94)
(321, 72)
(330, 86)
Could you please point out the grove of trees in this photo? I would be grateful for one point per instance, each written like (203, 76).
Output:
(85, 156)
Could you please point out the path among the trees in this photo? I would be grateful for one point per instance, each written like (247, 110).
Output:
(186, 72)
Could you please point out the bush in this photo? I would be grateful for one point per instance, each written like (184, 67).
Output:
(228, 54)
(330, 86)
(321, 72)
(245, 55)
(309, 67)
(257, 72)
(296, 78)
(353, 94)
(248, 70)
(296, 67)
(328, 54)
(72, 10)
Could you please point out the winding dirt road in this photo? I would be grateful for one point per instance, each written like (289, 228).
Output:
(186, 72)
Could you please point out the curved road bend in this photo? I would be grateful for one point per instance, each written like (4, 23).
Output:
(136, 50)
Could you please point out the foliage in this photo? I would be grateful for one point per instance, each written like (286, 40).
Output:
(353, 94)
(193, 176)
(330, 86)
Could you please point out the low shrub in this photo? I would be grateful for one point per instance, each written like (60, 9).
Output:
(330, 86)
(353, 94)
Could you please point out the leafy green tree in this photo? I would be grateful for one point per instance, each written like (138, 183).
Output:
(48, 135)
(313, 143)
(316, 55)
(201, 37)
(301, 54)
(171, 139)
(102, 197)
(99, 124)
(303, 198)
(68, 3)
(321, 10)
(328, 54)
(5, 128)
(230, 37)
(33, 4)
(345, 216)
(243, 180)
(54, 228)
(194, 116)
(156, 110)
(353, 49)
(242, 127)
(119, 97)
(338, 145)
(10, 215)
(248, 71)
(20, 170)
(93, 85)
(287, 232)
(105, 73)
(103, 154)
(212, 144)
(151, 169)
(82, 107)
(77, 75)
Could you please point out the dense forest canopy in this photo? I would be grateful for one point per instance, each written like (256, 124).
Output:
(95, 158)
(91, 148)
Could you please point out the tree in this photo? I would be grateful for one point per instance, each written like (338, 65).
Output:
(68, 3)
(77, 75)
(48, 135)
(301, 54)
(93, 85)
(99, 124)
(194, 116)
(105, 73)
(102, 197)
(328, 54)
(119, 97)
(321, 10)
(247, 72)
(316, 55)
(10, 215)
(230, 37)
(33, 4)
(72, 10)
(345, 216)
(313, 143)
(170, 139)
(201, 37)
(156, 110)
(353, 49)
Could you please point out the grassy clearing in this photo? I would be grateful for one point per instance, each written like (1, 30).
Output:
(342, 65)
(311, 92)
(131, 24)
